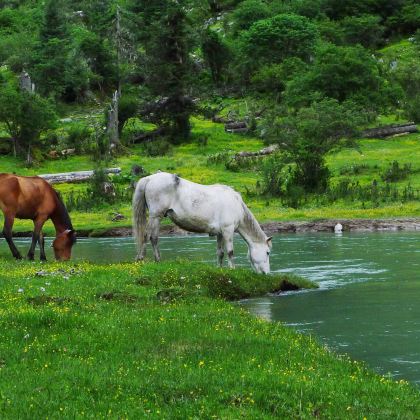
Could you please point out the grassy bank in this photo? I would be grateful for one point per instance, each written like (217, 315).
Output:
(161, 341)
(191, 161)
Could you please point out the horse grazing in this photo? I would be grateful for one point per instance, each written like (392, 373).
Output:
(33, 198)
(214, 209)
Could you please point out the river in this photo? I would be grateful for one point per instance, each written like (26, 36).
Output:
(368, 304)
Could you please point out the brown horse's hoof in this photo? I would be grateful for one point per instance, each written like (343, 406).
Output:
(17, 257)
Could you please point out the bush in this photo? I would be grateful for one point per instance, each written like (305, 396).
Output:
(159, 147)
(395, 172)
(356, 169)
(272, 176)
(222, 157)
(77, 138)
(308, 136)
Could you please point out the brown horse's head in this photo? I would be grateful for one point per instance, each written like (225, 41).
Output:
(63, 244)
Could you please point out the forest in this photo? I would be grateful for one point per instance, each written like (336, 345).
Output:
(304, 77)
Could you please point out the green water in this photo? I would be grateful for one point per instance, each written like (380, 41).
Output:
(368, 304)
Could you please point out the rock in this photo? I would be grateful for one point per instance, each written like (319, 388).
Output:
(137, 170)
(108, 189)
(118, 217)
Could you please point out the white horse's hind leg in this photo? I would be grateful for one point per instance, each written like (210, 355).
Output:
(153, 230)
(142, 252)
(228, 240)
(220, 251)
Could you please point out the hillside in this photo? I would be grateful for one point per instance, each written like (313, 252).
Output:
(306, 76)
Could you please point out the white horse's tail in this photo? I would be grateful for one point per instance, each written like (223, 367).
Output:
(140, 214)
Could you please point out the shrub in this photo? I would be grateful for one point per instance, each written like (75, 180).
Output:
(395, 172)
(272, 177)
(220, 157)
(159, 147)
(77, 138)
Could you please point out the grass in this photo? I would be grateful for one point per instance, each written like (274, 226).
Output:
(160, 341)
(190, 161)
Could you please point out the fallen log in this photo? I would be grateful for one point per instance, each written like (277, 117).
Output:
(235, 125)
(221, 120)
(150, 135)
(73, 177)
(238, 130)
(263, 152)
(390, 130)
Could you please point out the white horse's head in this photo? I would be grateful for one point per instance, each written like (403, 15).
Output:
(259, 255)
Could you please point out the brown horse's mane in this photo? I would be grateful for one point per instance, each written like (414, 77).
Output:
(62, 211)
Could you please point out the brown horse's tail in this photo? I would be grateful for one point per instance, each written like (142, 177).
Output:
(140, 216)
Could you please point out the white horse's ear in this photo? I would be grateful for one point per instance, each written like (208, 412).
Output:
(269, 241)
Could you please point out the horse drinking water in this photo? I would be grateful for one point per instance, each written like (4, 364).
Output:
(214, 209)
(33, 198)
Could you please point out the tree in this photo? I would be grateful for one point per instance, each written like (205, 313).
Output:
(341, 73)
(25, 115)
(167, 65)
(247, 13)
(51, 57)
(407, 75)
(216, 53)
(365, 30)
(271, 41)
(275, 39)
(307, 137)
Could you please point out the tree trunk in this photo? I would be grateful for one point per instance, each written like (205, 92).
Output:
(112, 127)
(73, 177)
(390, 130)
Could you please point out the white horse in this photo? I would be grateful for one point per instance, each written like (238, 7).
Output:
(214, 209)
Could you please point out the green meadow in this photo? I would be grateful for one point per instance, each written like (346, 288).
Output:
(165, 341)
(362, 164)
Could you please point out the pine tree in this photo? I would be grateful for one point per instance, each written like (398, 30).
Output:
(167, 63)
(52, 50)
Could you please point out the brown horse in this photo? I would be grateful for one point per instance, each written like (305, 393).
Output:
(34, 199)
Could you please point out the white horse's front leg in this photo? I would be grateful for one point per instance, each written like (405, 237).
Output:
(153, 230)
(220, 250)
(228, 239)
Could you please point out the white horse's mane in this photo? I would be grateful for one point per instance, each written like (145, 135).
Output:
(252, 225)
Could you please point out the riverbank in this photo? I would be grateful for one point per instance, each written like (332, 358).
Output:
(324, 225)
(132, 340)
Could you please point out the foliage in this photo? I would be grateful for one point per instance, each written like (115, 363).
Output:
(159, 147)
(341, 73)
(52, 50)
(309, 136)
(128, 107)
(25, 115)
(165, 34)
(395, 172)
(247, 13)
(216, 54)
(407, 75)
(78, 137)
(274, 39)
(372, 194)
(365, 30)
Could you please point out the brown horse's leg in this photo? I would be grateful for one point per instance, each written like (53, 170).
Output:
(41, 242)
(35, 237)
(9, 219)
